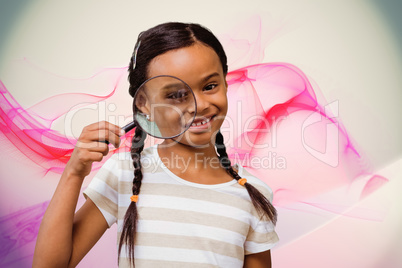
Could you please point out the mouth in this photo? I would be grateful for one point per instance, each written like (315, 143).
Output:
(202, 122)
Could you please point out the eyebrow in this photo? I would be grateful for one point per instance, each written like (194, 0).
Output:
(172, 86)
(210, 76)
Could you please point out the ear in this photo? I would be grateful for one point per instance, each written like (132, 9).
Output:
(142, 102)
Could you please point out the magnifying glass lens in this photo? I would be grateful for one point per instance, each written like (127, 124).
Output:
(164, 106)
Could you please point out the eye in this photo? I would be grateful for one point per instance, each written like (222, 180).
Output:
(178, 95)
(210, 86)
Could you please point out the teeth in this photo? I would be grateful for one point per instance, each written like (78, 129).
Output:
(201, 123)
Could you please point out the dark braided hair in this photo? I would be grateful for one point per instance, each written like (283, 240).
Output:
(154, 42)
(130, 219)
(260, 202)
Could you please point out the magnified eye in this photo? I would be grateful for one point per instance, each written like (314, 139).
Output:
(178, 95)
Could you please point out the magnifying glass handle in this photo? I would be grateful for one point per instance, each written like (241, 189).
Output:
(126, 129)
(129, 126)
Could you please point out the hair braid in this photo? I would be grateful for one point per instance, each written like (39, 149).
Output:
(260, 202)
(130, 219)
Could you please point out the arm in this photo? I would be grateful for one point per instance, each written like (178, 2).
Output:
(258, 260)
(64, 236)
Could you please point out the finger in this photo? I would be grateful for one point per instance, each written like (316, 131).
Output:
(95, 156)
(100, 135)
(106, 125)
(114, 139)
(107, 136)
(85, 156)
(101, 148)
(94, 146)
(106, 142)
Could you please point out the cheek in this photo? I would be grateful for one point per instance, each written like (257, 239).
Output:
(222, 102)
(166, 116)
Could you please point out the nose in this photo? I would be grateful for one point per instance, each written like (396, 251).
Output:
(202, 103)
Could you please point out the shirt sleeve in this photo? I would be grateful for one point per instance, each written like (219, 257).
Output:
(262, 236)
(102, 190)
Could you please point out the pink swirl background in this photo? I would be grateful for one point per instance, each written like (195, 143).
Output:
(334, 209)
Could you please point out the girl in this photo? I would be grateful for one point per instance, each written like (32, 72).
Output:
(185, 206)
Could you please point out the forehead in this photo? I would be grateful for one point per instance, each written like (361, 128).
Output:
(188, 63)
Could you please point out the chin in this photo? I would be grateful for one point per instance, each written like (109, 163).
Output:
(202, 140)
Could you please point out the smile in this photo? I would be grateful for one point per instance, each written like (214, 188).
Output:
(202, 124)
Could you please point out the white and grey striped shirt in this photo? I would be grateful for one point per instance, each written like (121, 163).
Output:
(181, 223)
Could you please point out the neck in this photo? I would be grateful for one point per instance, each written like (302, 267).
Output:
(192, 157)
(183, 149)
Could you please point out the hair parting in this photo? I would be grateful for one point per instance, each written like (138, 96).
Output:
(260, 202)
(130, 219)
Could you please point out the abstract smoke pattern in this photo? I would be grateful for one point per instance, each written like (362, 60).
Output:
(321, 184)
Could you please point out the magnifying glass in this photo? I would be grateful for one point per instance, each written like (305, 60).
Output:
(164, 107)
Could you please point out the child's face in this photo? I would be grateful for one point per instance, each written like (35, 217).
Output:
(199, 66)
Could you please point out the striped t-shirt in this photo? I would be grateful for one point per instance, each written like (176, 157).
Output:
(181, 223)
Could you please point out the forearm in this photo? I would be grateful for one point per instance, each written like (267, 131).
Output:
(54, 243)
(258, 260)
